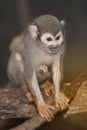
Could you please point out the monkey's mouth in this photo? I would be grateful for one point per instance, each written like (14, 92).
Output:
(53, 49)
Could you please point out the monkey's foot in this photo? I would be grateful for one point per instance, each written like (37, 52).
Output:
(30, 97)
(45, 112)
(27, 93)
(61, 101)
(48, 87)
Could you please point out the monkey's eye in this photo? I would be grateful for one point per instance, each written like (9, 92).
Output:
(58, 37)
(49, 39)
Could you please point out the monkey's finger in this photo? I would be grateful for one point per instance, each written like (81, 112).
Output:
(41, 114)
(57, 105)
(67, 100)
(49, 116)
(46, 115)
(51, 107)
(63, 105)
(65, 97)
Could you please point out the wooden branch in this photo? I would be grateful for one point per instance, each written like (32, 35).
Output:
(13, 103)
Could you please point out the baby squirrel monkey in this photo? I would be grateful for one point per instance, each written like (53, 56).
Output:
(36, 50)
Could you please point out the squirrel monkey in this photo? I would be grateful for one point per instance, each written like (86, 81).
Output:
(36, 50)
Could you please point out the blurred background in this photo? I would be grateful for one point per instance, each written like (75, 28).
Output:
(16, 14)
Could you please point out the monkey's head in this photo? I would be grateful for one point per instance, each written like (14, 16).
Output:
(49, 30)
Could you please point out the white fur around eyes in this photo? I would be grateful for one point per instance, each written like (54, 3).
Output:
(61, 38)
(44, 38)
(53, 41)
(59, 33)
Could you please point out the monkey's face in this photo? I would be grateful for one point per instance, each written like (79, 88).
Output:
(48, 31)
(52, 42)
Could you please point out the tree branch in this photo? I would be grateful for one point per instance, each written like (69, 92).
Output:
(13, 103)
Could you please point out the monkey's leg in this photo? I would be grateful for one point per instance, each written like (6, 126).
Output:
(15, 68)
(61, 100)
(43, 108)
(28, 93)
(16, 73)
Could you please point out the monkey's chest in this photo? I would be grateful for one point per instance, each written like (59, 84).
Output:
(44, 61)
(39, 58)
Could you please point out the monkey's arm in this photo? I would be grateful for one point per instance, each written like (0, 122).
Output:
(60, 99)
(43, 108)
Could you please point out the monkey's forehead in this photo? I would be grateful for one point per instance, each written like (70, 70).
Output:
(47, 23)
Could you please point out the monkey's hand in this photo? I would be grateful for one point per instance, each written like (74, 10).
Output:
(61, 101)
(44, 111)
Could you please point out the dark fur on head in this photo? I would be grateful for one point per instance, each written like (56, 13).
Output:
(47, 23)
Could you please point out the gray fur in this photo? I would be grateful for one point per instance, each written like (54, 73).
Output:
(47, 23)
(32, 53)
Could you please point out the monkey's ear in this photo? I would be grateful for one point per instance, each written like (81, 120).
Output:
(63, 23)
(33, 31)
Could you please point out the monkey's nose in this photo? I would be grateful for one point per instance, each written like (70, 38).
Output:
(53, 48)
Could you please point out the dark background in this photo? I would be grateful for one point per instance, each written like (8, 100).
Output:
(16, 14)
